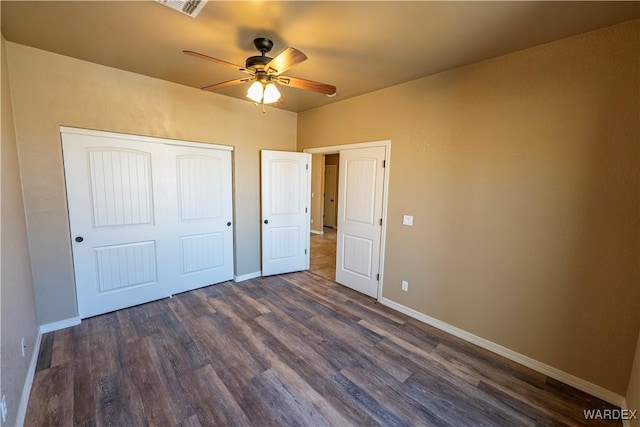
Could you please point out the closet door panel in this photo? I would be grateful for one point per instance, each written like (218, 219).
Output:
(201, 226)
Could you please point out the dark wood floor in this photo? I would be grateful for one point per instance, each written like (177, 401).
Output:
(287, 350)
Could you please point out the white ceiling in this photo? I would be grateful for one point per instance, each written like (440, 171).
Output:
(357, 46)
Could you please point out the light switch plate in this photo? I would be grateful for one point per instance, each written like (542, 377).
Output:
(407, 220)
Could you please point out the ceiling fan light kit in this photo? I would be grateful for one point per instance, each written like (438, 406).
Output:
(262, 93)
(265, 72)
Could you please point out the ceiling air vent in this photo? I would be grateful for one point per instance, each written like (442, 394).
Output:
(189, 7)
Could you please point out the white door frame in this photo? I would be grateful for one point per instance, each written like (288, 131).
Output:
(335, 149)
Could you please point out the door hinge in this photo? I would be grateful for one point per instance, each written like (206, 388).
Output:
(378, 276)
(305, 251)
(307, 166)
(384, 163)
(380, 221)
(305, 210)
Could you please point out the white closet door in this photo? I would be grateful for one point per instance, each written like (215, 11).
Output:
(360, 218)
(117, 213)
(286, 187)
(148, 218)
(200, 215)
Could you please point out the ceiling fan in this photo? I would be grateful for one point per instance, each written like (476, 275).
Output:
(265, 71)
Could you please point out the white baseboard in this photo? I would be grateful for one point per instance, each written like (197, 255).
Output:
(28, 382)
(626, 422)
(62, 324)
(317, 232)
(550, 371)
(244, 277)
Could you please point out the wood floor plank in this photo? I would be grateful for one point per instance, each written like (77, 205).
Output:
(299, 386)
(290, 408)
(321, 380)
(369, 404)
(63, 347)
(105, 352)
(294, 349)
(385, 392)
(117, 403)
(127, 329)
(235, 367)
(427, 360)
(197, 301)
(53, 389)
(46, 351)
(141, 364)
(177, 346)
(213, 403)
(84, 382)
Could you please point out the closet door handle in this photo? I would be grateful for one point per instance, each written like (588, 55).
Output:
(266, 221)
(229, 224)
(79, 239)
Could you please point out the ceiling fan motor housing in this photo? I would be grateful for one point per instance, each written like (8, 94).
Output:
(259, 61)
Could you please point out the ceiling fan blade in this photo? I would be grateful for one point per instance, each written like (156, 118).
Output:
(226, 84)
(285, 60)
(307, 85)
(217, 61)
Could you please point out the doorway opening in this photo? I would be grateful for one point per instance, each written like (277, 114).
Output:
(324, 213)
(354, 255)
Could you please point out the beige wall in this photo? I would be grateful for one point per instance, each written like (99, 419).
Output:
(18, 319)
(633, 390)
(522, 174)
(50, 90)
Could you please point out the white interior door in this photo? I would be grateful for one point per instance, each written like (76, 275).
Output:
(286, 186)
(200, 215)
(330, 196)
(360, 218)
(117, 211)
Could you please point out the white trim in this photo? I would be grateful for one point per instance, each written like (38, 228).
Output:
(244, 277)
(580, 384)
(169, 141)
(31, 372)
(385, 196)
(28, 382)
(62, 324)
(316, 231)
(385, 204)
(335, 149)
(625, 422)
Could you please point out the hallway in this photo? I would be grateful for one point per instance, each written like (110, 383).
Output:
(323, 254)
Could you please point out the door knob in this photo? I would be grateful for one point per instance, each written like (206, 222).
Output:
(229, 224)
(79, 239)
(266, 221)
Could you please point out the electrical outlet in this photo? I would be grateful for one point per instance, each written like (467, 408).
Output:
(23, 348)
(3, 409)
(405, 285)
